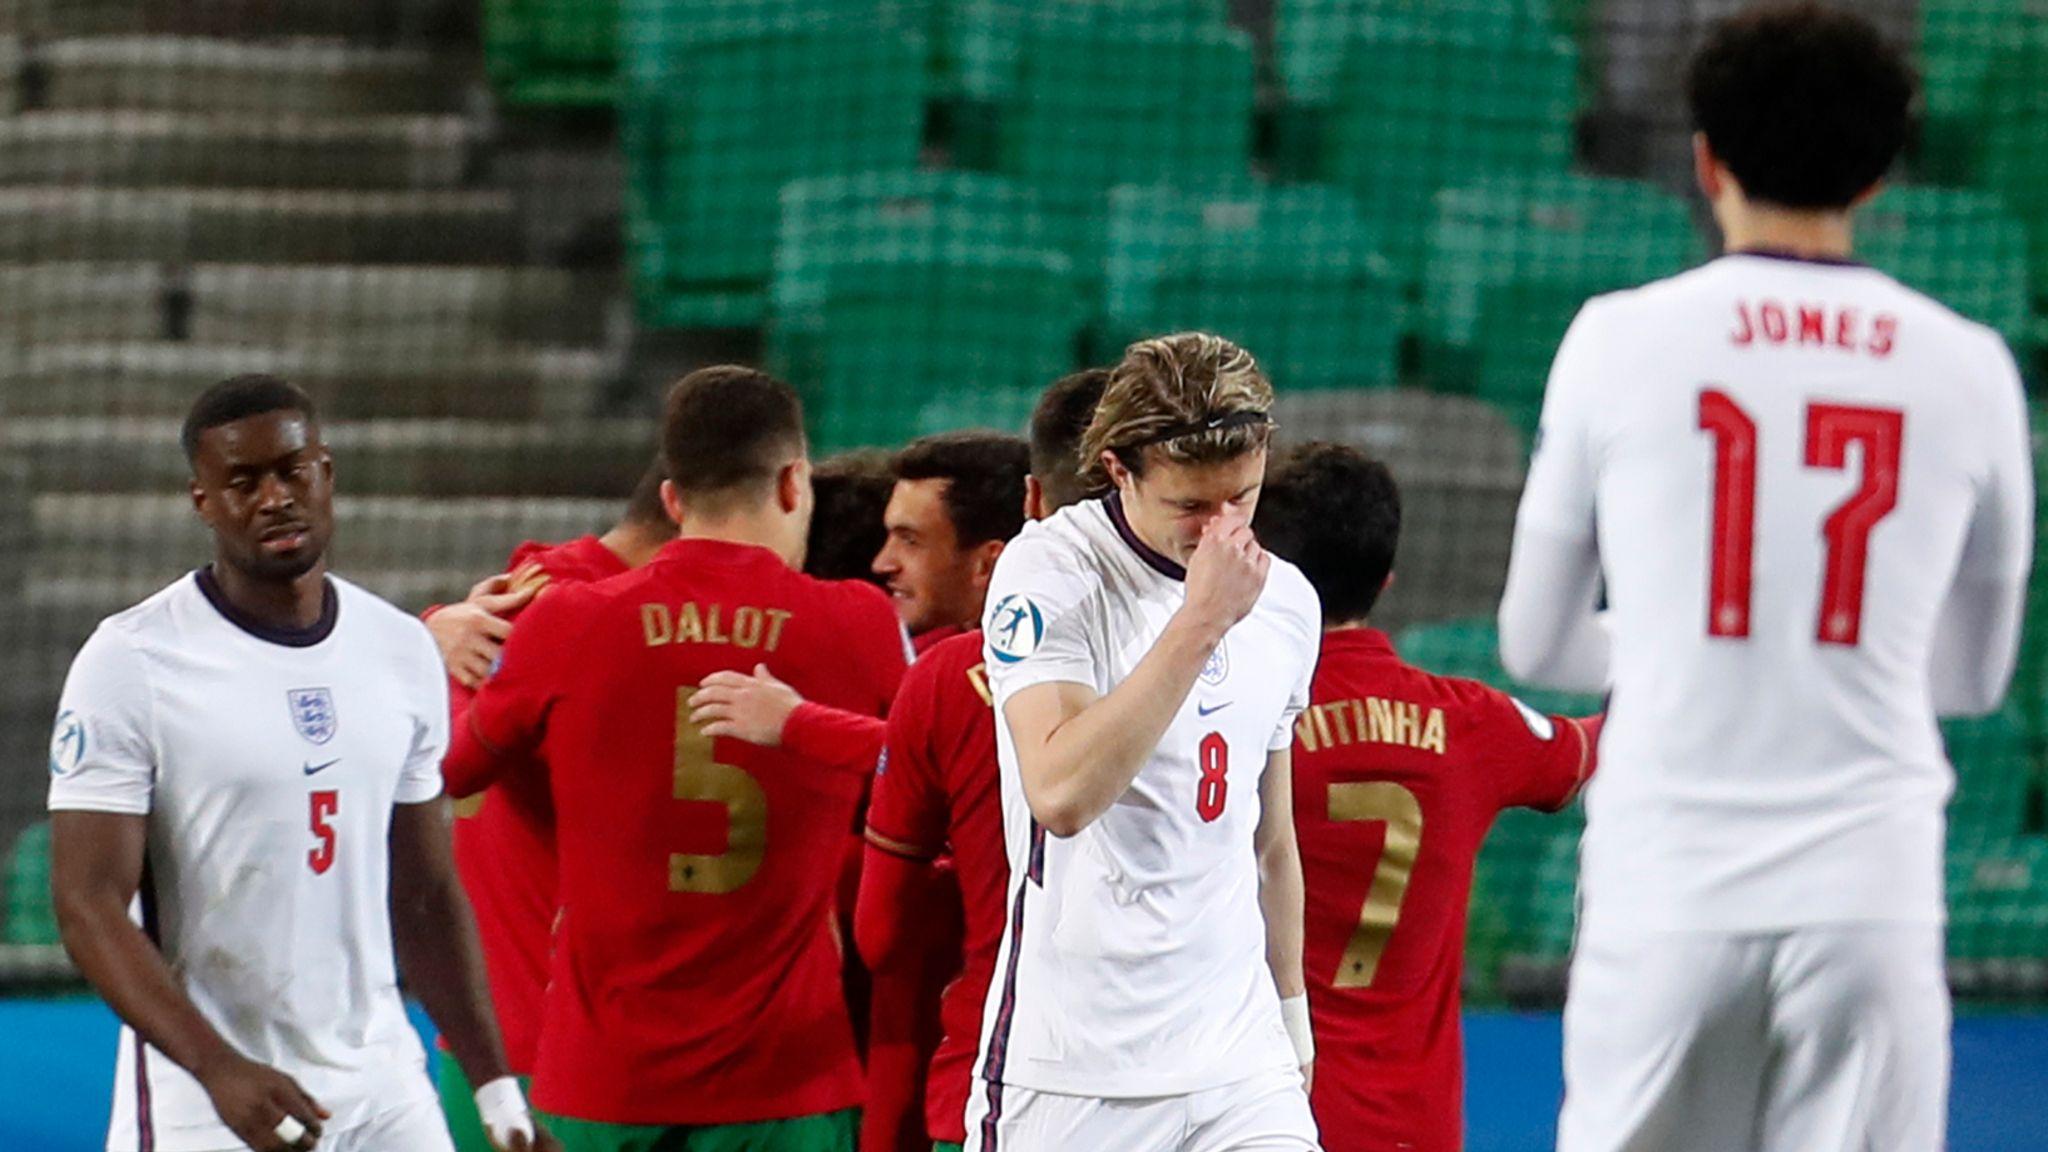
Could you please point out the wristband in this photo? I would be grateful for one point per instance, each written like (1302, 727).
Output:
(1294, 1014)
(502, 1108)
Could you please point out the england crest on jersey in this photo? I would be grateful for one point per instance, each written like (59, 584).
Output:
(313, 713)
(1216, 669)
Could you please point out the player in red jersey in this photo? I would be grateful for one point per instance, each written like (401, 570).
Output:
(694, 990)
(957, 498)
(504, 840)
(938, 795)
(1398, 774)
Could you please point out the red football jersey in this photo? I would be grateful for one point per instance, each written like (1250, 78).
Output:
(505, 847)
(938, 791)
(1398, 775)
(695, 977)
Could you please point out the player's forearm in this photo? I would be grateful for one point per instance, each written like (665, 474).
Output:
(1549, 632)
(125, 968)
(1282, 901)
(471, 765)
(1088, 760)
(434, 935)
(1976, 644)
(834, 737)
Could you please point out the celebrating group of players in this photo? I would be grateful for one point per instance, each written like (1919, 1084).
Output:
(1145, 839)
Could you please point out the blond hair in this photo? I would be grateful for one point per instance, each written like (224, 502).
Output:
(1162, 393)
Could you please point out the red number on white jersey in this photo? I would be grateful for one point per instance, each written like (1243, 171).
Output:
(326, 805)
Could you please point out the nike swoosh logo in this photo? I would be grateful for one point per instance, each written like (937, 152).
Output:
(313, 768)
(1206, 710)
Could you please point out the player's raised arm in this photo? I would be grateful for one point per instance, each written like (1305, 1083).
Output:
(1078, 752)
(1976, 642)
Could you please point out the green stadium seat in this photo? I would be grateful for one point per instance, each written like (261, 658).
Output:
(1998, 899)
(2013, 158)
(553, 53)
(30, 918)
(1421, 107)
(1310, 36)
(1524, 893)
(981, 42)
(1547, 226)
(1960, 40)
(714, 126)
(921, 343)
(1961, 247)
(835, 223)
(1471, 649)
(1097, 106)
(1996, 759)
(1288, 272)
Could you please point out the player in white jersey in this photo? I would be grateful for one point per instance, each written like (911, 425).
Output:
(246, 822)
(1807, 488)
(1147, 660)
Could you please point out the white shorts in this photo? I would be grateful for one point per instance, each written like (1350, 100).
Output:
(413, 1125)
(1267, 1113)
(1826, 1039)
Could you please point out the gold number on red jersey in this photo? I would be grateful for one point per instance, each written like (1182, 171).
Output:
(701, 778)
(1830, 429)
(1379, 802)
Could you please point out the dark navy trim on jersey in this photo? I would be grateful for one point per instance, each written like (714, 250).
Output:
(145, 1123)
(1006, 1012)
(321, 629)
(1151, 556)
(1796, 258)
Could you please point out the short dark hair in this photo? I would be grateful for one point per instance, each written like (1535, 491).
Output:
(238, 398)
(643, 507)
(985, 480)
(851, 492)
(726, 429)
(1062, 417)
(1336, 514)
(1808, 106)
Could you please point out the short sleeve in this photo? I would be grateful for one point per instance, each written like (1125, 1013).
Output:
(1039, 627)
(907, 815)
(103, 755)
(420, 781)
(1557, 497)
(1535, 760)
(1308, 608)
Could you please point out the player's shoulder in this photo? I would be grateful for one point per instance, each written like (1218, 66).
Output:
(953, 654)
(1289, 595)
(363, 612)
(849, 599)
(583, 559)
(157, 619)
(1063, 551)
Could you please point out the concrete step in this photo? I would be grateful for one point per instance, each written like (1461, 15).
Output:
(1459, 463)
(289, 78)
(162, 379)
(51, 303)
(188, 225)
(173, 149)
(105, 536)
(446, 458)
(375, 20)
(414, 308)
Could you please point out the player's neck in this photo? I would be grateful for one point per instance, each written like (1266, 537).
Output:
(1813, 235)
(636, 544)
(757, 529)
(1359, 625)
(287, 605)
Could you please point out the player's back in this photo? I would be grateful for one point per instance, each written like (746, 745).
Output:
(1786, 458)
(1398, 775)
(696, 974)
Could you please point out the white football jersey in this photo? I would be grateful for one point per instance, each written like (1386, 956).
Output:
(1133, 962)
(1787, 464)
(267, 764)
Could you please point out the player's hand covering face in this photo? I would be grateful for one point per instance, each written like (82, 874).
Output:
(265, 485)
(1227, 572)
(1171, 504)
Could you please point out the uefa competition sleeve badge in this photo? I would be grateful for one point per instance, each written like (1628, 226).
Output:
(1015, 628)
(313, 713)
(67, 743)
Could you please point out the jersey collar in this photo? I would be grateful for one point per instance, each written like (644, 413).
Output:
(321, 629)
(1795, 258)
(1365, 641)
(1157, 561)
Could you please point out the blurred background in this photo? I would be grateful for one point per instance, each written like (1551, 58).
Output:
(485, 234)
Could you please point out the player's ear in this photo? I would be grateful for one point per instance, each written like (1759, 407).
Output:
(984, 557)
(672, 502)
(1034, 499)
(791, 485)
(1706, 167)
(1865, 196)
(1119, 476)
